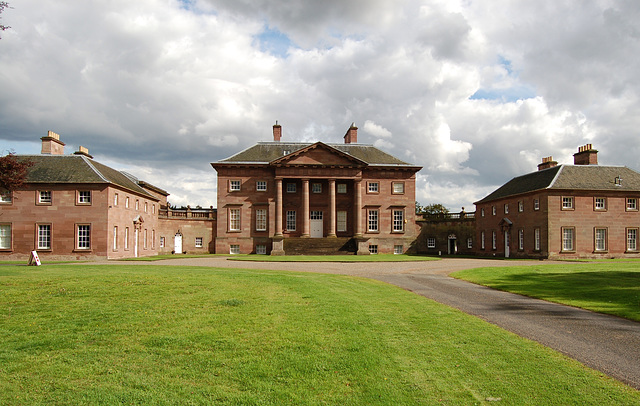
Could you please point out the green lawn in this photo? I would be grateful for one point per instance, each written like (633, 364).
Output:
(611, 287)
(144, 334)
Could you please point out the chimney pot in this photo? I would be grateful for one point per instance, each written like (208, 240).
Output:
(277, 131)
(83, 151)
(586, 155)
(547, 162)
(351, 137)
(51, 144)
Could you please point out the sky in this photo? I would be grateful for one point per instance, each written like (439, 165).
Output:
(475, 92)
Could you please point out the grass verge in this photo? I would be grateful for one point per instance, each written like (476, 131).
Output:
(333, 258)
(605, 287)
(121, 334)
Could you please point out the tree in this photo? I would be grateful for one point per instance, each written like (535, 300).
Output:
(435, 208)
(3, 5)
(13, 171)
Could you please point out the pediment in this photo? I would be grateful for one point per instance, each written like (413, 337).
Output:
(318, 154)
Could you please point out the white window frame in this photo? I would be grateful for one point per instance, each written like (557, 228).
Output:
(234, 219)
(44, 236)
(6, 197)
(84, 197)
(520, 206)
(342, 188)
(261, 186)
(398, 220)
(536, 204)
(261, 219)
(568, 203)
(431, 242)
(198, 242)
(600, 239)
(373, 187)
(494, 211)
(261, 249)
(469, 243)
(373, 223)
(494, 239)
(600, 203)
(521, 239)
(568, 239)
(235, 185)
(162, 242)
(234, 249)
(632, 239)
(115, 238)
(126, 202)
(291, 187)
(482, 212)
(397, 188)
(631, 204)
(83, 237)
(291, 220)
(373, 249)
(536, 239)
(482, 246)
(126, 238)
(506, 208)
(45, 197)
(6, 236)
(115, 199)
(316, 188)
(398, 249)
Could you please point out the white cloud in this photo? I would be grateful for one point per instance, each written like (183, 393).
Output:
(376, 130)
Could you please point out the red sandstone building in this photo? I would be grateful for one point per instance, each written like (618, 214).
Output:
(278, 197)
(563, 211)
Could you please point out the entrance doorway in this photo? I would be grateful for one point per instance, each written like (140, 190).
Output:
(316, 224)
(452, 248)
(177, 243)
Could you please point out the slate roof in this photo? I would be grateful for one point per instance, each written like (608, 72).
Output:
(265, 152)
(564, 177)
(77, 169)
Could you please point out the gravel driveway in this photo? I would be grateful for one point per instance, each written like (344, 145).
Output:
(606, 343)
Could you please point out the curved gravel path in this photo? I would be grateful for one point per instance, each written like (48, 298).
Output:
(606, 343)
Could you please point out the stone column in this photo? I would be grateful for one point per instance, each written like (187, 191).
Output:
(358, 208)
(305, 208)
(332, 208)
(278, 208)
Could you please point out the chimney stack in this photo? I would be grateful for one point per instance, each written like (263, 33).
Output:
(51, 144)
(351, 137)
(586, 155)
(547, 162)
(277, 131)
(83, 151)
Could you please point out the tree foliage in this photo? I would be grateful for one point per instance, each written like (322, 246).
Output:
(3, 5)
(13, 171)
(434, 208)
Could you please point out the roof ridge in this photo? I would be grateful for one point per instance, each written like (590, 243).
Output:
(555, 178)
(86, 160)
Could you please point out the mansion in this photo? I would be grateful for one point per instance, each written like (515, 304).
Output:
(280, 197)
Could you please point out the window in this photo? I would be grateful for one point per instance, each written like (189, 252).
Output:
(153, 239)
(84, 236)
(536, 204)
(44, 236)
(493, 240)
(431, 242)
(198, 242)
(44, 197)
(482, 240)
(398, 221)
(398, 188)
(342, 188)
(372, 187)
(373, 220)
(153, 209)
(398, 249)
(316, 188)
(482, 212)
(234, 219)
(536, 239)
(567, 203)
(291, 220)
(373, 249)
(261, 219)
(291, 187)
(84, 197)
(5, 196)
(126, 202)
(521, 239)
(234, 185)
(5, 236)
(600, 236)
(144, 241)
(115, 199)
(506, 208)
(161, 242)
(632, 239)
(493, 210)
(520, 206)
(469, 243)
(341, 219)
(261, 249)
(568, 236)
(600, 203)
(145, 207)
(234, 249)
(632, 204)
(261, 186)
(126, 238)
(115, 238)
(137, 204)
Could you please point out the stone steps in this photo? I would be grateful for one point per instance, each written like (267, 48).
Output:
(319, 246)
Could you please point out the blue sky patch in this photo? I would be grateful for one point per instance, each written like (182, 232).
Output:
(505, 95)
(274, 42)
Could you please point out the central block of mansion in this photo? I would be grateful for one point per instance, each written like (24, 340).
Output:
(277, 191)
